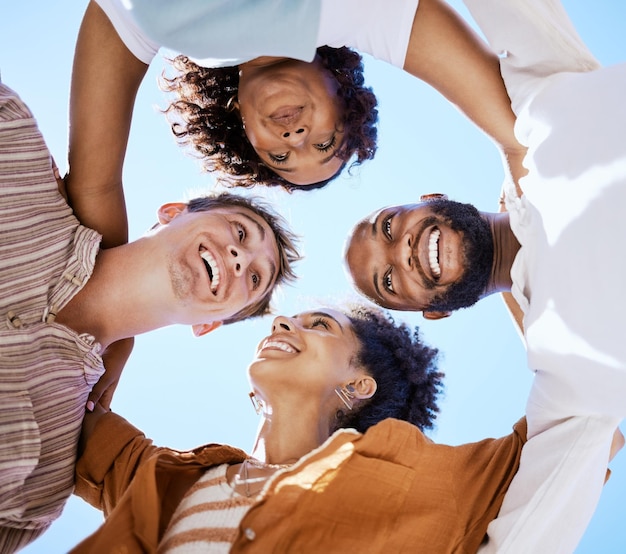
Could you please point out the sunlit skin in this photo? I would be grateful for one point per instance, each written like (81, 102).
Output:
(291, 117)
(313, 348)
(219, 261)
(163, 278)
(388, 257)
(294, 373)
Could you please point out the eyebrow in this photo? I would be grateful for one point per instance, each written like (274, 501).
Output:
(374, 234)
(329, 316)
(376, 288)
(256, 223)
(261, 231)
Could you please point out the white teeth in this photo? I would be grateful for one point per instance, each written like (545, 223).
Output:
(433, 252)
(215, 271)
(280, 345)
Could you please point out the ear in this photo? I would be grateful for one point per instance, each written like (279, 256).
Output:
(364, 387)
(435, 315)
(205, 328)
(433, 196)
(167, 212)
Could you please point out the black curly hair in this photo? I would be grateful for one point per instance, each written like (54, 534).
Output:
(404, 368)
(203, 116)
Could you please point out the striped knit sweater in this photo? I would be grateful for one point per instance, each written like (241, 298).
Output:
(208, 517)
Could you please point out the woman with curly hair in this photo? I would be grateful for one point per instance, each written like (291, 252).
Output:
(293, 143)
(339, 464)
(276, 121)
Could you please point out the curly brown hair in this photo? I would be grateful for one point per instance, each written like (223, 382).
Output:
(203, 117)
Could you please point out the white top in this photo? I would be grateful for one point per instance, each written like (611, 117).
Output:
(226, 33)
(567, 277)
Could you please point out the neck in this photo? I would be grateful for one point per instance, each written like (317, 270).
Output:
(285, 435)
(117, 301)
(505, 248)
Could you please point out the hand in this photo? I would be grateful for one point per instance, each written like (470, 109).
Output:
(513, 162)
(60, 181)
(617, 444)
(114, 359)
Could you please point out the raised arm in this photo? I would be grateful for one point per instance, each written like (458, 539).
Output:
(446, 53)
(105, 80)
(110, 452)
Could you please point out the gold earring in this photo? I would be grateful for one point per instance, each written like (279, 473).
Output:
(256, 403)
(345, 395)
(232, 103)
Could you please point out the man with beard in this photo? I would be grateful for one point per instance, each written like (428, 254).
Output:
(555, 251)
(435, 256)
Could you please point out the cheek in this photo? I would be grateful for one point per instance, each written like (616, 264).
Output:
(261, 137)
(330, 115)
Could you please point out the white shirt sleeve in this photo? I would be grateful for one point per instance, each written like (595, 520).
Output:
(554, 493)
(379, 28)
(129, 32)
(563, 465)
(535, 39)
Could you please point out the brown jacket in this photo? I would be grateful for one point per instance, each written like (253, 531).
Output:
(389, 490)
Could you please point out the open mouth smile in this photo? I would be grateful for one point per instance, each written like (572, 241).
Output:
(433, 252)
(278, 344)
(212, 269)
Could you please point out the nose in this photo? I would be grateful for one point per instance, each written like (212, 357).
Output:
(283, 323)
(239, 258)
(296, 135)
(404, 252)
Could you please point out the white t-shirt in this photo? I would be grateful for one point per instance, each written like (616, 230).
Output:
(568, 275)
(225, 33)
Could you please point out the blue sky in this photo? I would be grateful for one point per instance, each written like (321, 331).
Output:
(184, 391)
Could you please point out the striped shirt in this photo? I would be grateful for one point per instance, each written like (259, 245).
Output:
(208, 518)
(46, 370)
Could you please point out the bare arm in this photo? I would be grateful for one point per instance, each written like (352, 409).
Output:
(445, 53)
(105, 80)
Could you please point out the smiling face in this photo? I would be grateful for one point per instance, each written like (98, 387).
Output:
(218, 261)
(292, 118)
(433, 255)
(309, 354)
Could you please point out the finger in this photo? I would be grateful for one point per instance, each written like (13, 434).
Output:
(107, 396)
(96, 393)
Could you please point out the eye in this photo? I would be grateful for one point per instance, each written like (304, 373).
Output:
(320, 321)
(387, 226)
(241, 231)
(279, 158)
(387, 284)
(326, 146)
(256, 280)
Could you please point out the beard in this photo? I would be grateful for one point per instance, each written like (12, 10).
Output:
(477, 255)
(180, 279)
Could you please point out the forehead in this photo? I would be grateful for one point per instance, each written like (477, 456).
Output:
(399, 210)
